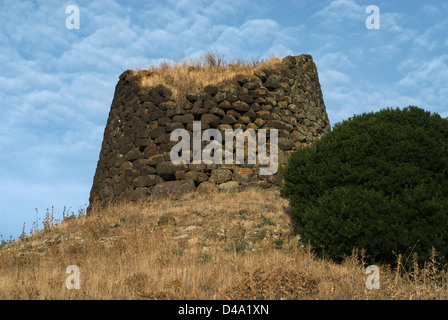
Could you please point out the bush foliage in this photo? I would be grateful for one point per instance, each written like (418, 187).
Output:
(377, 181)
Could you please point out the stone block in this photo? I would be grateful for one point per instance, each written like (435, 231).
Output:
(243, 175)
(229, 186)
(220, 175)
(172, 189)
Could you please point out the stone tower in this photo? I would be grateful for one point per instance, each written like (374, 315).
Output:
(135, 163)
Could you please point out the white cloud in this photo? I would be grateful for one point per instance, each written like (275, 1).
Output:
(345, 101)
(432, 38)
(392, 22)
(335, 60)
(256, 38)
(423, 85)
(430, 10)
(388, 49)
(329, 77)
(341, 12)
(433, 72)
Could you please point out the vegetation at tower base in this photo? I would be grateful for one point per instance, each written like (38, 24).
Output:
(378, 182)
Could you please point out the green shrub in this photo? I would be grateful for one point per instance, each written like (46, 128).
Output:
(377, 181)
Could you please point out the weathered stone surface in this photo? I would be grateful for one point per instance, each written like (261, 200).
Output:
(167, 169)
(163, 139)
(280, 125)
(220, 175)
(243, 175)
(196, 176)
(240, 106)
(142, 142)
(172, 189)
(259, 122)
(210, 119)
(246, 98)
(229, 186)
(118, 189)
(106, 193)
(252, 126)
(217, 111)
(147, 181)
(263, 114)
(270, 101)
(234, 113)
(155, 115)
(244, 120)
(155, 159)
(140, 193)
(261, 184)
(273, 82)
(187, 118)
(225, 105)
(192, 96)
(206, 187)
(150, 151)
(285, 144)
(155, 133)
(228, 119)
(211, 89)
(295, 136)
(209, 104)
(125, 166)
(133, 154)
(180, 175)
(173, 126)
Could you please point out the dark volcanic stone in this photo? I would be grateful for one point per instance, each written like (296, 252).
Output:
(172, 189)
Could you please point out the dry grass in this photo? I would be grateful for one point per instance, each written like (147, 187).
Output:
(192, 75)
(133, 251)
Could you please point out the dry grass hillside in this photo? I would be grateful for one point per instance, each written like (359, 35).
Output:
(206, 246)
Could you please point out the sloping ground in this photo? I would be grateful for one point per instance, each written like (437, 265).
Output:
(205, 246)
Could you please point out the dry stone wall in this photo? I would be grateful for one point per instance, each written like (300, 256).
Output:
(134, 161)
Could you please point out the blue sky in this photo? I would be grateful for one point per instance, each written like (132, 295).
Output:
(57, 84)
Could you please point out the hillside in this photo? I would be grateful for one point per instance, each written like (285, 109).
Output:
(205, 246)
